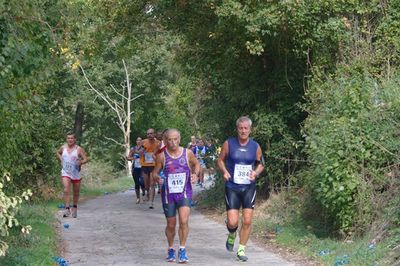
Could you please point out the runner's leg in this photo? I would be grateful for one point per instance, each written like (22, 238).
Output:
(76, 188)
(183, 213)
(146, 177)
(136, 177)
(67, 187)
(233, 219)
(152, 189)
(246, 226)
(170, 230)
(201, 177)
(232, 206)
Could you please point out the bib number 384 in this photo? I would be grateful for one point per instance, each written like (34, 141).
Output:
(242, 174)
(176, 182)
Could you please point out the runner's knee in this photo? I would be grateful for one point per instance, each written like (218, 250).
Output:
(246, 223)
(171, 223)
(232, 230)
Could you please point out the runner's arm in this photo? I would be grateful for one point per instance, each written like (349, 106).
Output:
(59, 153)
(82, 156)
(259, 164)
(221, 161)
(141, 149)
(157, 168)
(130, 155)
(194, 166)
(157, 149)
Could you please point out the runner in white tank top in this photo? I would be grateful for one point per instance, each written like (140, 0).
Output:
(70, 165)
(71, 157)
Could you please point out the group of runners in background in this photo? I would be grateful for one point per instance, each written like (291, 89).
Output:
(160, 160)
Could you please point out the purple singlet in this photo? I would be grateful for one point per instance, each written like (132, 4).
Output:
(177, 178)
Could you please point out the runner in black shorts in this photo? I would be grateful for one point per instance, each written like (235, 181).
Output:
(147, 160)
(240, 198)
(240, 162)
(134, 157)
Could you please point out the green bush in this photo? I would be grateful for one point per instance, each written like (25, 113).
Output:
(353, 145)
(214, 197)
(9, 206)
(97, 173)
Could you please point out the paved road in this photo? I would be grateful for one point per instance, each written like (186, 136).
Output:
(113, 230)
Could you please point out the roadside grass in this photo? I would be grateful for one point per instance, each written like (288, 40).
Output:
(111, 186)
(41, 246)
(325, 250)
(280, 222)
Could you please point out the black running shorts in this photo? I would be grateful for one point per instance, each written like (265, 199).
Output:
(240, 197)
(170, 208)
(147, 169)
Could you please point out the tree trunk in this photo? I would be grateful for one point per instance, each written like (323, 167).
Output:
(79, 117)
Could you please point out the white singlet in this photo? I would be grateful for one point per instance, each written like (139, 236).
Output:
(70, 167)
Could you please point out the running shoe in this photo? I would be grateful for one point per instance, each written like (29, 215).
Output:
(241, 255)
(151, 206)
(171, 255)
(74, 212)
(67, 212)
(138, 201)
(230, 241)
(182, 256)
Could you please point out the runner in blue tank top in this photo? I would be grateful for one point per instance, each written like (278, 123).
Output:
(240, 162)
(180, 168)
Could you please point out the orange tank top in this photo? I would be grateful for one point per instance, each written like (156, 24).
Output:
(147, 157)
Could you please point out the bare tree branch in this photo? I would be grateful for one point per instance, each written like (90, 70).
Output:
(124, 97)
(121, 105)
(113, 140)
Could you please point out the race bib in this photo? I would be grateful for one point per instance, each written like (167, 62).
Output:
(137, 163)
(148, 157)
(176, 182)
(242, 173)
(70, 168)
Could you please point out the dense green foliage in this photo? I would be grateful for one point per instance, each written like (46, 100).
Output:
(353, 146)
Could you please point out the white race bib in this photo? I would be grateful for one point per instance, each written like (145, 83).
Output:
(148, 157)
(137, 163)
(69, 167)
(176, 182)
(242, 173)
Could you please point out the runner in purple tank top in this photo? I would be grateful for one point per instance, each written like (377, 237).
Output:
(180, 167)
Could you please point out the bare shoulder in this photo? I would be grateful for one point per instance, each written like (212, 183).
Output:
(225, 146)
(81, 150)
(189, 151)
(190, 155)
(62, 147)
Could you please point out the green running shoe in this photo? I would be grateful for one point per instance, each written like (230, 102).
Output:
(230, 241)
(241, 255)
